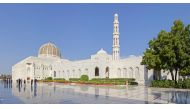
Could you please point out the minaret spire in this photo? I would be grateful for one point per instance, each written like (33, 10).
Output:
(116, 46)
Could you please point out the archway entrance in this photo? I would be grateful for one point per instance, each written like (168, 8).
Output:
(80, 73)
(86, 71)
(96, 71)
(156, 75)
(54, 75)
(131, 72)
(74, 75)
(137, 75)
(125, 73)
(107, 72)
(119, 73)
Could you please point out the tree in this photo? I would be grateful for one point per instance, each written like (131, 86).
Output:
(170, 51)
(185, 69)
(152, 57)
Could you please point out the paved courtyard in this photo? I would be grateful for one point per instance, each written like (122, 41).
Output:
(89, 94)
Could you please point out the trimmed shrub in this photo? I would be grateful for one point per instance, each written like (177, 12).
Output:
(49, 78)
(186, 83)
(180, 84)
(163, 83)
(84, 78)
(114, 81)
(74, 79)
(119, 83)
(59, 81)
(133, 83)
(59, 78)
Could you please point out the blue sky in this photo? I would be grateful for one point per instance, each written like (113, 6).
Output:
(80, 30)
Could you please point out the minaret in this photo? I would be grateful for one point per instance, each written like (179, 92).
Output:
(116, 47)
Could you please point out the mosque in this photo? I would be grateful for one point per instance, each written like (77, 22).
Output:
(49, 63)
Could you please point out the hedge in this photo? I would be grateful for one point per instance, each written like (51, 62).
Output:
(46, 80)
(133, 83)
(185, 84)
(49, 78)
(163, 83)
(59, 78)
(85, 79)
(74, 79)
(104, 82)
(114, 81)
(59, 81)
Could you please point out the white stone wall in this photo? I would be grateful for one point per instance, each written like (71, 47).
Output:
(41, 68)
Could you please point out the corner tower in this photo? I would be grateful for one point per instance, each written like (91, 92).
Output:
(116, 46)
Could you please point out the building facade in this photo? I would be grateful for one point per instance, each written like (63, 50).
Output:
(49, 63)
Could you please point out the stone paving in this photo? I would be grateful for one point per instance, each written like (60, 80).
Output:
(56, 93)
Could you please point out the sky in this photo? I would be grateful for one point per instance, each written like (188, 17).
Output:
(80, 30)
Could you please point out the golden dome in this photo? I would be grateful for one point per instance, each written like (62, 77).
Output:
(49, 50)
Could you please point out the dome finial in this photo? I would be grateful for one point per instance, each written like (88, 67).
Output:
(101, 51)
(115, 17)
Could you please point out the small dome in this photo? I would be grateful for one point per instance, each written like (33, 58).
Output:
(101, 51)
(49, 50)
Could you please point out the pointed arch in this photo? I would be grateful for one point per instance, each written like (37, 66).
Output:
(96, 71)
(54, 74)
(73, 75)
(80, 73)
(130, 72)
(68, 74)
(107, 72)
(63, 73)
(137, 75)
(125, 73)
(119, 73)
(86, 71)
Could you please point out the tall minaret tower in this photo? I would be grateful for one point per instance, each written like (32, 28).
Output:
(116, 47)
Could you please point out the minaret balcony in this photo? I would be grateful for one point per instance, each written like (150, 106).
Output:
(116, 33)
